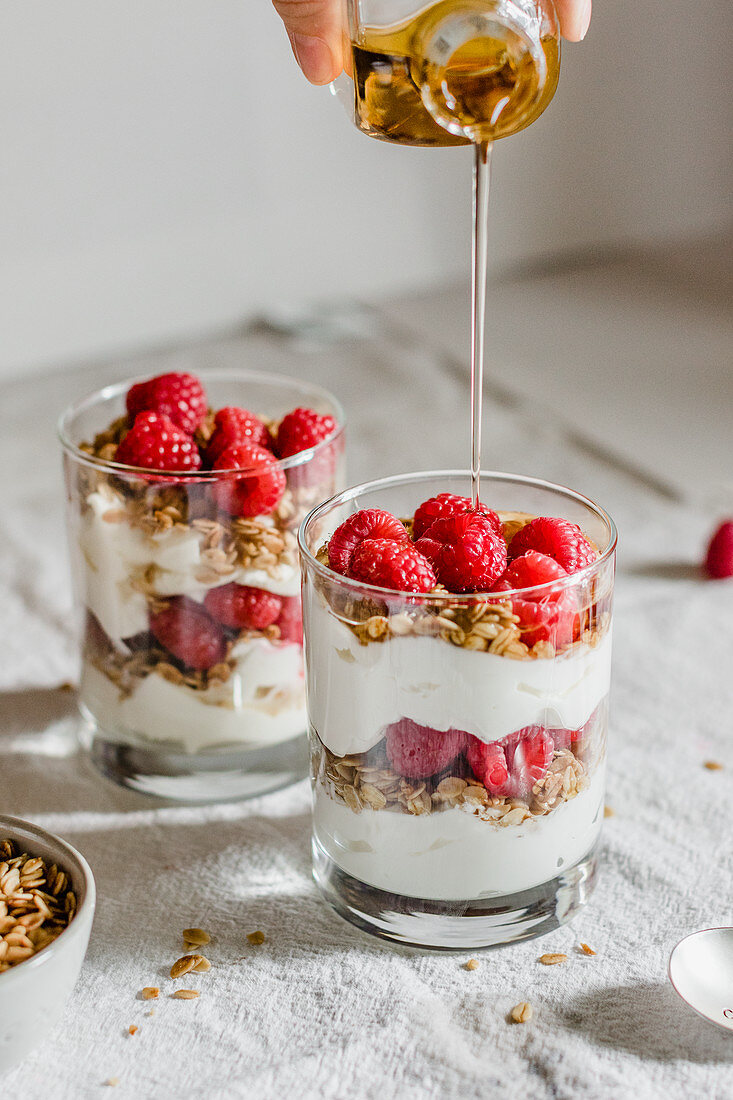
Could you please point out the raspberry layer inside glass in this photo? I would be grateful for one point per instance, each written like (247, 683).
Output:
(190, 575)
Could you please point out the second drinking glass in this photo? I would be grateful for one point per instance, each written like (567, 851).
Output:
(187, 579)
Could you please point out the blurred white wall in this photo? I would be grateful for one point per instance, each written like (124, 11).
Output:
(165, 170)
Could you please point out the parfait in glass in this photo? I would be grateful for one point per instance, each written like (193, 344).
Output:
(184, 496)
(458, 668)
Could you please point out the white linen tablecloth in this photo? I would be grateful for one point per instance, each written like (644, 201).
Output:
(320, 1010)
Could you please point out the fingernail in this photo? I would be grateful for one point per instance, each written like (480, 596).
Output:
(314, 58)
(585, 19)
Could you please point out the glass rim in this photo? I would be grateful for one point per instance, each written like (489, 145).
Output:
(327, 573)
(116, 389)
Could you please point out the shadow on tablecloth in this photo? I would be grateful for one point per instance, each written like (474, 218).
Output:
(666, 570)
(45, 768)
(648, 1020)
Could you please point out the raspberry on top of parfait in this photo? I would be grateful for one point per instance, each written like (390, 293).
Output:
(156, 443)
(180, 397)
(169, 426)
(463, 549)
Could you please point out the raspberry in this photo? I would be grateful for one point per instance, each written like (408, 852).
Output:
(511, 767)
(564, 737)
(419, 751)
(532, 568)
(558, 539)
(529, 754)
(300, 430)
(370, 523)
(431, 550)
(156, 443)
(719, 558)
(448, 504)
(290, 620)
(255, 492)
(242, 607)
(390, 564)
(233, 425)
(180, 397)
(187, 631)
(545, 618)
(472, 555)
(488, 764)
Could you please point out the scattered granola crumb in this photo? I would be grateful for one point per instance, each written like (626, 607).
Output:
(521, 1013)
(185, 994)
(112, 1081)
(133, 1029)
(151, 1013)
(713, 766)
(472, 964)
(608, 812)
(256, 938)
(552, 959)
(587, 950)
(183, 965)
(150, 992)
(196, 936)
(202, 964)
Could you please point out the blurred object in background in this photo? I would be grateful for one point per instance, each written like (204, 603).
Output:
(168, 172)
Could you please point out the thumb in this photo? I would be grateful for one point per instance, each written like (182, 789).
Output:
(314, 30)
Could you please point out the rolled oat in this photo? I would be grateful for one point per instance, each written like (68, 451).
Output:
(36, 904)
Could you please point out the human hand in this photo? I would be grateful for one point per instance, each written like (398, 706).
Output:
(314, 30)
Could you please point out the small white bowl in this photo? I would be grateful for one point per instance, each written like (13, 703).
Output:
(701, 972)
(34, 992)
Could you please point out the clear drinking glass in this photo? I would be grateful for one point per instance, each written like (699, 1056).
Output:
(450, 71)
(147, 549)
(405, 690)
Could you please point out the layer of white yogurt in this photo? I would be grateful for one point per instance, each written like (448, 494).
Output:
(262, 703)
(453, 855)
(116, 553)
(355, 690)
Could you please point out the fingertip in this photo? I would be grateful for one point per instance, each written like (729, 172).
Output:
(575, 18)
(585, 19)
(315, 58)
